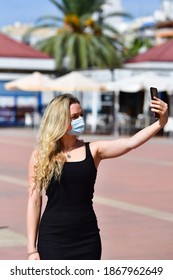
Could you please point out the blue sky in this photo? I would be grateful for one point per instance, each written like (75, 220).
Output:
(141, 7)
(27, 11)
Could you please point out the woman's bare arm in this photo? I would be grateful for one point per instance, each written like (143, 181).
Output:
(33, 210)
(111, 149)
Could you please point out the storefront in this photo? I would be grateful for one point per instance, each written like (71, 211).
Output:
(16, 105)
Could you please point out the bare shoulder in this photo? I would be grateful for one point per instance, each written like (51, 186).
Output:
(97, 146)
(105, 149)
(94, 148)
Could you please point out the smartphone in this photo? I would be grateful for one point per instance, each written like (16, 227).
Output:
(154, 92)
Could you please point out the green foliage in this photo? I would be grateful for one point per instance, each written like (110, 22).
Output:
(87, 41)
(136, 45)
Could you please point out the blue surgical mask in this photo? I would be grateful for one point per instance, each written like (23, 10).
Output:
(78, 127)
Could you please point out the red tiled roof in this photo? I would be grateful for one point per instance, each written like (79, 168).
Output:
(161, 53)
(11, 48)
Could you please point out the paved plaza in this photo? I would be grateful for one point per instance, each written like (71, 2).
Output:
(133, 198)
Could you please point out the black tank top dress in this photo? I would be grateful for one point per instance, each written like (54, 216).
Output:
(68, 228)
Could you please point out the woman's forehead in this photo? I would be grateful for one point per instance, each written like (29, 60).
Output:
(75, 108)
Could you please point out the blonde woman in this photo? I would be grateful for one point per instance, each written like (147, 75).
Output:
(65, 169)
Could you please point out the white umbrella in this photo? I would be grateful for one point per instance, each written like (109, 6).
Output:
(142, 82)
(73, 81)
(32, 82)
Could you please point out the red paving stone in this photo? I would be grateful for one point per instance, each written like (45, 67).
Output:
(143, 177)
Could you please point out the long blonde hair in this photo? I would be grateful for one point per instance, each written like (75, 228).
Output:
(53, 126)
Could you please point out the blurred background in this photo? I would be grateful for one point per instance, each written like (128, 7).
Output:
(108, 53)
(123, 47)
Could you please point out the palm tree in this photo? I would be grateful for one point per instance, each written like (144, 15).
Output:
(136, 46)
(83, 39)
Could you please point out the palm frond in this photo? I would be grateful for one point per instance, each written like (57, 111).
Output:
(70, 46)
(82, 51)
(58, 5)
(59, 50)
(81, 7)
(48, 18)
(116, 14)
(114, 33)
(46, 45)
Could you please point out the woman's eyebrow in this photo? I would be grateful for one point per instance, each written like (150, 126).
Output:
(74, 115)
(77, 114)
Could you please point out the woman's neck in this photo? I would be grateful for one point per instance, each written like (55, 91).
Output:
(69, 142)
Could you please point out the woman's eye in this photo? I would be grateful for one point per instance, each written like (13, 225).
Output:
(77, 116)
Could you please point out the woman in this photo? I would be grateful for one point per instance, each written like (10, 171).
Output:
(65, 168)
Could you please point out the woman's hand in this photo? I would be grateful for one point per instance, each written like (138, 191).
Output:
(34, 256)
(160, 107)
